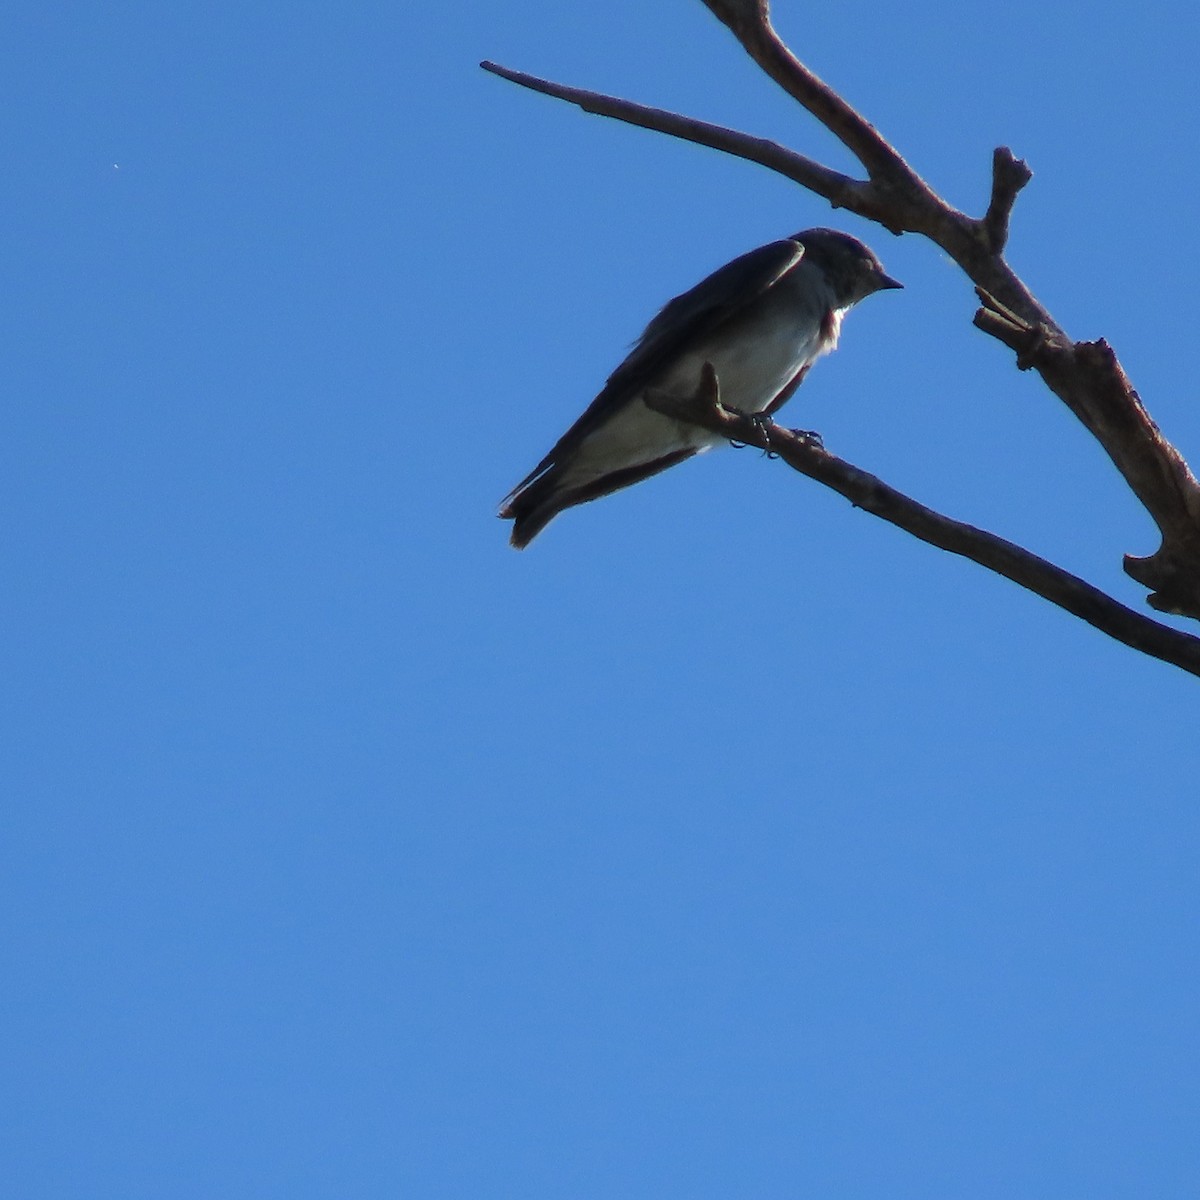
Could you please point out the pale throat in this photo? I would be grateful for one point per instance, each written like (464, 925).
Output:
(831, 328)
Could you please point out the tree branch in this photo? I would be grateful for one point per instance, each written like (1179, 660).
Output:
(804, 454)
(1009, 175)
(840, 190)
(750, 23)
(1086, 376)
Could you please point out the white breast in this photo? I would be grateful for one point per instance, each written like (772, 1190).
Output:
(751, 371)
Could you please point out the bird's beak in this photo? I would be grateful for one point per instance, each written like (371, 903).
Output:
(886, 281)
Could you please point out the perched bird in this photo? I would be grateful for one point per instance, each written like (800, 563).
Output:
(761, 320)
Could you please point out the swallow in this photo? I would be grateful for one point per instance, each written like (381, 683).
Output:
(761, 321)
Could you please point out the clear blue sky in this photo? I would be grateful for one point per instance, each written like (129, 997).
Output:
(726, 843)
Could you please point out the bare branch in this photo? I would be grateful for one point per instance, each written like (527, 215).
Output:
(751, 25)
(840, 190)
(1016, 333)
(1086, 376)
(865, 491)
(1009, 175)
(740, 14)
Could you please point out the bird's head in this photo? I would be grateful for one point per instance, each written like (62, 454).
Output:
(851, 269)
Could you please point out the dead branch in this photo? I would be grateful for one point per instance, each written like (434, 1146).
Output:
(1009, 175)
(1086, 376)
(840, 190)
(803, 453)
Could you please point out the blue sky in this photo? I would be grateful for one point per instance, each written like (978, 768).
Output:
(725, 843)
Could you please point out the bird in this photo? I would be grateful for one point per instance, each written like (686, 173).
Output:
(759, 323)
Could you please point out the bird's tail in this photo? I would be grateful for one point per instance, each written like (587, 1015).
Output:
(534, 504)
(532, 507)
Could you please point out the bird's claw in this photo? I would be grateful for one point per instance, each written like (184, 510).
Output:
(811, 436)
(763, 423)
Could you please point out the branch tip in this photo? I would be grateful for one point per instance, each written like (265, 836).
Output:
(1009, 175)
(834, 186)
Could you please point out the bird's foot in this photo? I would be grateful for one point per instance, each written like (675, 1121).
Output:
(811, 436)
(763, 423)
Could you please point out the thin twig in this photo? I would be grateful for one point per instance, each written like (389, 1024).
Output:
(840, 190)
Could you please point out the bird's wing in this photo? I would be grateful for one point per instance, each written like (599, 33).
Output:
(682, 321)
(705, 307)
